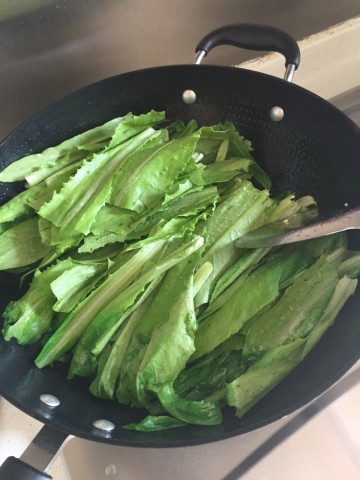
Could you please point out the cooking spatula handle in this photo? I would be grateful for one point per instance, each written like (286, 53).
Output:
(252, 37)
(14, 469)
(299, 228)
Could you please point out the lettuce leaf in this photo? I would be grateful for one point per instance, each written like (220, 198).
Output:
(74, 207)
(81, 316)
(155, 423)
(21, 245)
(140, 282)
(242, 209)
(36, 167)
(144, 178)
(264, 375)
(53, 158)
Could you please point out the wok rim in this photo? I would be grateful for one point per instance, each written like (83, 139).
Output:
(215, 67)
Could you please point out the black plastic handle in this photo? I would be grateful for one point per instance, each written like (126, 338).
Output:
(253, 37)
(15, 469)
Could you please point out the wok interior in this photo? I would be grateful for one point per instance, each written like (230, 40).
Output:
(313, 150)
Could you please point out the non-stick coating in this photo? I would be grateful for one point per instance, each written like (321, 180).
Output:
(313, 150)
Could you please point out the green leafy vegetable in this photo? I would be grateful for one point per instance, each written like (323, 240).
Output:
(261, 377)
(21, 245)
(153, 423)
(125, 236)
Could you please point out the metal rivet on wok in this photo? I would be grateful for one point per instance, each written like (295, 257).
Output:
(49, 400)
(104, 425)
(276, 114)
(189, 97)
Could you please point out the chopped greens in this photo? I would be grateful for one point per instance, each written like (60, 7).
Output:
(127, 233)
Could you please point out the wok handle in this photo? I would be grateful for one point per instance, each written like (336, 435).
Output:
(253, 37)
(14, 469)
(36, 458)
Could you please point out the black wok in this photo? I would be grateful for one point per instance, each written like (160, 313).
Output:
(314, 149)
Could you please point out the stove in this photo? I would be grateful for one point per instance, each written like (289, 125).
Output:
(322, 440)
